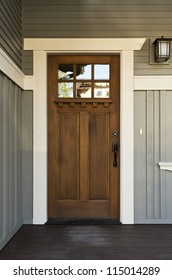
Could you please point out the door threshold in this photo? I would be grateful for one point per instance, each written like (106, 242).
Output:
(83, 221)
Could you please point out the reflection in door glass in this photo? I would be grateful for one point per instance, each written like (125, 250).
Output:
(101, 71)
(83, 72)
(65, 90)
(83, 90)
(65, 71)
(101, 90)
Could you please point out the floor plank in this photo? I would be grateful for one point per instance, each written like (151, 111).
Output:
(90, 242)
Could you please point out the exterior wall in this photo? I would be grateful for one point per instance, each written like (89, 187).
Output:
(15, 158)
(98, 18)
(153, 138)
(27, 156)
(11, 29)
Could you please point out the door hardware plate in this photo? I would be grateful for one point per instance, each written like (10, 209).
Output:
(115, 133)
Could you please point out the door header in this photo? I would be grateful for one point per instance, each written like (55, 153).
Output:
(84, 44)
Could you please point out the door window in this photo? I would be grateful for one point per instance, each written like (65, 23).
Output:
(83, 81)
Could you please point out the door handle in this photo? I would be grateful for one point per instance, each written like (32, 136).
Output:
(115, 150)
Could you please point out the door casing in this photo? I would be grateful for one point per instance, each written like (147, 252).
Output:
(42, 47)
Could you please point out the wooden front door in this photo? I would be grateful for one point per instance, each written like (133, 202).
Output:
(83, 136)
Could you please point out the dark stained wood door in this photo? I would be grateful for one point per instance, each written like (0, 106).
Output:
(83, 121)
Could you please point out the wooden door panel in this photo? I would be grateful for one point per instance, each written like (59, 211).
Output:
(84, 157)
(99, 156)
(68, 155)
(78, 209)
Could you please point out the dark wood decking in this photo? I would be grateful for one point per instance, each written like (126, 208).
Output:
(70, 242)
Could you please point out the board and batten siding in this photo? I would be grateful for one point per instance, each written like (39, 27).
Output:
(15, 158)
(152, 138)
(11, 29)
(98, 18)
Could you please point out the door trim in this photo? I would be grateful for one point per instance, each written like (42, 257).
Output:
(126, 117)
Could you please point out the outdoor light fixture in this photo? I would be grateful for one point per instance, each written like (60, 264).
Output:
(162, 49)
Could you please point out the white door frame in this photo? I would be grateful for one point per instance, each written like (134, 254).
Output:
(41, 48)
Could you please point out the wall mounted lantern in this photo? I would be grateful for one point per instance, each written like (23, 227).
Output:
(162, 49)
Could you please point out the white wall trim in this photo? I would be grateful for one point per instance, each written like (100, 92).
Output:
(9, 68)
(126, 139)
(153, 82)
(40, 138)
(83, 44)
(41, 48)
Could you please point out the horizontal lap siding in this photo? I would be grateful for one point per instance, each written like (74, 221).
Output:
(99, 18)
(153, 187)
(11, 29)
(15, 158)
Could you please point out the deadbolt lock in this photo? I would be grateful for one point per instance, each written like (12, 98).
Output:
(115, 133)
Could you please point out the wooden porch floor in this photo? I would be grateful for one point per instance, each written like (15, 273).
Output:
(90, 242)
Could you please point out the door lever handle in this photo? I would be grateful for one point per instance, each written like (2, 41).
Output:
(115, 150)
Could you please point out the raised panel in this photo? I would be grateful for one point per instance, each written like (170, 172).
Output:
(68, 158)
(99, 156)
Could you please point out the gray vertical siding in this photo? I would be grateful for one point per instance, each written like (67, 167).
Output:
(99, 18)
(15, 166)
(27, 156)
(153, 187)
(11, 29)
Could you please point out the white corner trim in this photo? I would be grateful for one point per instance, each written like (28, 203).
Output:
(84, 44)
(28, 83)
(9, 68)
(165, 166)
(153, 83)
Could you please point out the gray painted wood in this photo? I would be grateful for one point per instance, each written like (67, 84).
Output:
(62, 19)
(1, 164)
(11, 29)
(149, 154)
(166, 151)
(27, 156)
(156, 154)
(15, 167)
(140, 159)
(153, 187)
(27, 66)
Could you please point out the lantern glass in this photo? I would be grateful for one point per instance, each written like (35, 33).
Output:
(162, 50)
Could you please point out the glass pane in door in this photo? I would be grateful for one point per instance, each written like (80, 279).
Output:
(101, 72)
(83, 72)
(83, 90)
(65, 90)
(65, 72)
(101, 90)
